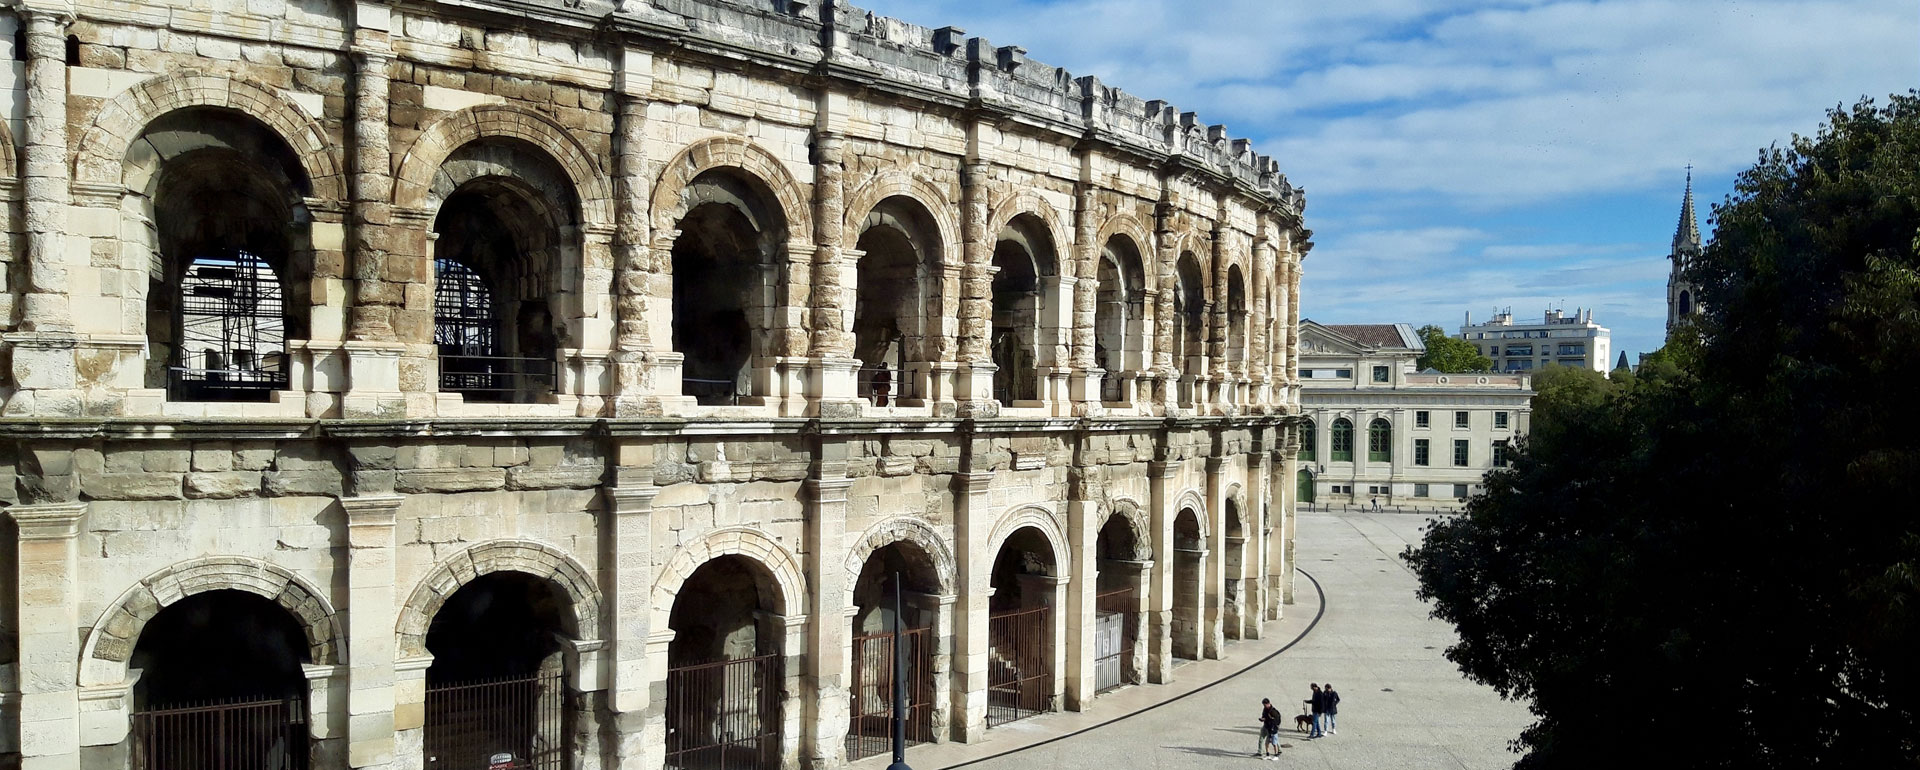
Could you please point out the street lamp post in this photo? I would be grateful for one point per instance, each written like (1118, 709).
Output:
(899, 688)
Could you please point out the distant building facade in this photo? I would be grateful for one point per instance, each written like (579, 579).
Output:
(1377, 429)
(1557, 338)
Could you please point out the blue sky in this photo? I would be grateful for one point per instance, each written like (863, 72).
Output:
(1463, 156)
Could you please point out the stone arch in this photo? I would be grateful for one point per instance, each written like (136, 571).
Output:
(109, 645)
(9, 153)
(1039, 518)
(1201, 247)
(104, 144)
(669, 193)
(904, 529)
(746, 542)
(1137, 523)
(1192, 499)
(413, 180)
(1129, 227)
(891, 183)
(1026, 201)
(524, 556)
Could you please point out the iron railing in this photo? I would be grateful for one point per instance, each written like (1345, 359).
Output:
(233, 735)
(186, 383)
(712, 392)
(871, 731)
(1114, 607)
(725, 715)
(496, 378)
(885, 385)
(1019, 665)
(469, 722)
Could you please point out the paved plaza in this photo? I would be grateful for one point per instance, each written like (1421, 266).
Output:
(1402, 704)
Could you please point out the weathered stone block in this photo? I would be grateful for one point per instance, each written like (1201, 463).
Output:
(318, 482)
(444, 480)
(222, 485)
(133, 486)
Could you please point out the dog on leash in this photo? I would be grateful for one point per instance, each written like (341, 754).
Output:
(1303, 723)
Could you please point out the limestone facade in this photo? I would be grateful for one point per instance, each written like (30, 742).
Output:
(943, 311)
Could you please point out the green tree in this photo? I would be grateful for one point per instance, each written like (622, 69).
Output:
(1449, 354)
(1714, 567)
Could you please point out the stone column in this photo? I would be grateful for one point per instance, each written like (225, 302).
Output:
(49, 645)
(628, 529)
(975, 390)
(1161, 594)
(1292, 362)
(1258, 363)
(1087, 374)
(653, 729)
(940, 608)
(373, 350)
(1214, 594)
(827, 677)
(831, 343)
(1289, 504)
(973, 525)
(1083, 532)
(633, 269)
(43, 364)
(1218, 373)
(378, 714)
(1260, 493)
(1166, 370)
(791, 630)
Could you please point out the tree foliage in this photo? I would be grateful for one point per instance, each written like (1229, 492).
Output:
(1449, 354)
(1713, 563)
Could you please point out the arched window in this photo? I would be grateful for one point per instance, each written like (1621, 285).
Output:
(1117, 314)
(1308, 430)
(1379, 441)
(1236, 320)
(464, 329)
(896, 283)
(1342, 441)
(1024, 255)
(1686, 302)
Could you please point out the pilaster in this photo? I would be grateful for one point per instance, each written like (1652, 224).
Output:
(1160, 596)
(1083, 531)
(828, 639)
(973, 525)
(628, 528)
(49, 646)
(374, 717)
(633, 233)
(1212, 627)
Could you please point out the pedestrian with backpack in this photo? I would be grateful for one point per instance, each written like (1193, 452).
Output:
(1331, 708)
(1269, 730)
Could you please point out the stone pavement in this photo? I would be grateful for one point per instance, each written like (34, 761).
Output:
(1402, 704)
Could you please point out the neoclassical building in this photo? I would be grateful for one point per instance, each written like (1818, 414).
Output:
(402, 384)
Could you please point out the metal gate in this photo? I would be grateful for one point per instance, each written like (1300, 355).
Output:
(872, 699)
(1020, 665)
(1110, 642)
(725, 715)
(524, 716)
(254, 735)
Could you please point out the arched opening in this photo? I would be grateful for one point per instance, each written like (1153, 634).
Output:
(1236, 593)
(1236, 321)
(504, 241)
(1021, 628)
(1118, 636)
(1118, 315)
(1024, 262)
(1379, 441)
(1342, 434)
(900, 250)
(220, 683)
(230, 280)
(904, 567)
(497, 684)
(1189, 325)
(725, 674)
(1303, 492)
(726, 271)
(1309, 433)
(1189, 584)
(1686, 302)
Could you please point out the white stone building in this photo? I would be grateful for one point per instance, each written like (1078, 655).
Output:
(1377, 430)
(1557, 338)
(388, 385)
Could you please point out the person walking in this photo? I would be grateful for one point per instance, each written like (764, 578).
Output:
(1269, 730)
(1331, 707)
(1316, 705)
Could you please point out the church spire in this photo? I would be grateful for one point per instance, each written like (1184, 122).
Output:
(1686, 237)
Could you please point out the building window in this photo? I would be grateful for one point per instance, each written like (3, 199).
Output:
(1379, 441)
(1420, 451)
(1343, 374)
(1307, 431)
(1500, 453)
(1419, 490)
(1460, 491)
(1380, 374)
(1342, 441)
(1460, 451)
(1459, 419)
(1499, 419)
(1422, 419)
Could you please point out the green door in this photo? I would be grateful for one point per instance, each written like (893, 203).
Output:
(1306, 486)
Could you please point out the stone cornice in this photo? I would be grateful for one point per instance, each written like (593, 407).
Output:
(49, 521)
